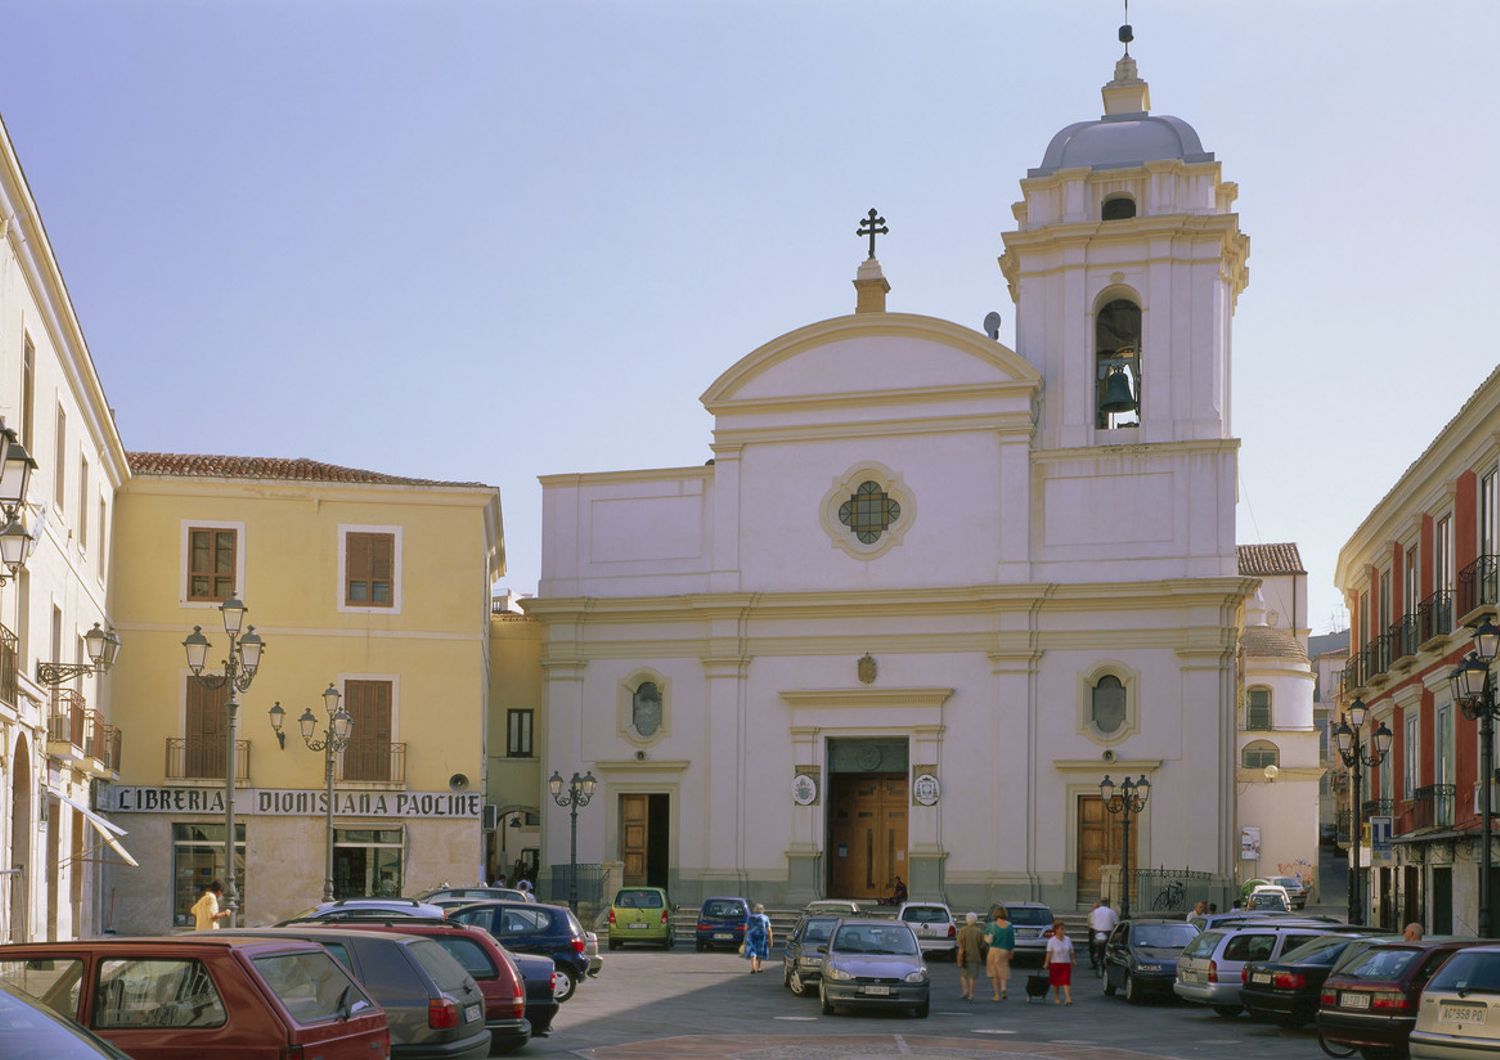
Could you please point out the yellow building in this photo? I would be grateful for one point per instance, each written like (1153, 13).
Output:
(514, 780)
(376, 584)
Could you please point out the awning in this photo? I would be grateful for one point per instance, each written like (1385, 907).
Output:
(108, 830)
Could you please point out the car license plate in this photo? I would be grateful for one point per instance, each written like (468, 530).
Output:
(1189, 977)
(638, 927)
(1461, 1014)
(1260, 977)
(472, 1013)
(876, 991)
(723, 934)
(1354, 1000)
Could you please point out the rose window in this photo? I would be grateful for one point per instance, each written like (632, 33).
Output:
(869, 512)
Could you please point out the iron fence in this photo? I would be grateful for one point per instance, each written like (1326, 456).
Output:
(1164, 890)
(372, 760)
(195, 758)
(1478, 584)
(9, 666)
(1435, 616)
(554, 884)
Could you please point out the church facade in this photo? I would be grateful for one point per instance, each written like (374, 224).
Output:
(930, 591)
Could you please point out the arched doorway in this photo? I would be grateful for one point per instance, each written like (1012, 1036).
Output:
(20, 841)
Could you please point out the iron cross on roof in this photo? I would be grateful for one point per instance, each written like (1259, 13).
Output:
(872, 225)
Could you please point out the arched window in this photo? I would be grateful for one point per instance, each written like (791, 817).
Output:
(1107, 705)
(1118, 208)
(645, 709)
(1117, 353)
(1260, 754)
(1258, 710)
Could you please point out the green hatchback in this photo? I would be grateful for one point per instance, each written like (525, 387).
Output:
(640, 914)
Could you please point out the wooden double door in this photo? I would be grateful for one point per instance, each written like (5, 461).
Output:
(1101, 842)
(645, 831)
(867, 826)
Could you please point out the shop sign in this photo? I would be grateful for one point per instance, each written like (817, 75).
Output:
(291, 802)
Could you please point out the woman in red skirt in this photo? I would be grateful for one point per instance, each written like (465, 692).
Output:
(1060, 964)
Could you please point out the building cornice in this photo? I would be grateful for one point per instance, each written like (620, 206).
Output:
(650, 474)
(866, 697)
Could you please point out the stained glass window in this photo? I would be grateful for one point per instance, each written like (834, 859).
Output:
(869, 512)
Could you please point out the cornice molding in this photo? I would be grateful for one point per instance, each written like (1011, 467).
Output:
(649, 474)
(647, 765)
(866, 697)
(1098, 765)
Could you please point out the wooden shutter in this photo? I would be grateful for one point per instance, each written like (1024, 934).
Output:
(211, 563)
(369, 570)
(207, 714)
(368, 756)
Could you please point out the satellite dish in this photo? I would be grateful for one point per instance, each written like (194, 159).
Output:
(992, 325)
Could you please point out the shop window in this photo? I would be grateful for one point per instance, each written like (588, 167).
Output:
(198, 860)
(367, 862)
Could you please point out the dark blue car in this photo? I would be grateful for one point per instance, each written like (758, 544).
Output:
(532, 927)
(721, 923)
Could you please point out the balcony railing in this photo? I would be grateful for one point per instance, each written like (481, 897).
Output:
(111, 740)
(195, 758)
(1375, 808)
(1478, 584)
(1435, 616)
(1404, 637)
(68, 720)
(1430, 807)
(9, 666)
(1352, 676)
(377, 761)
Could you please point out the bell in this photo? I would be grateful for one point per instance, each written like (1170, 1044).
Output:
(1117, 397)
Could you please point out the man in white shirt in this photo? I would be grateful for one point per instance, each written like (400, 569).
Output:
(206, 911)
(1102, 920)
(1200, 910)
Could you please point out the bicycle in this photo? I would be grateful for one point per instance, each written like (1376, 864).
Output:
(1096, 952)
(1169, 898)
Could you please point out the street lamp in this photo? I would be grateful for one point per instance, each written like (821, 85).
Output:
(1355, 755)
(16, 467)
(240, 668)
(579, 791)
(1132, 799)
(1474, 691)
(103, 647)
(334, 740)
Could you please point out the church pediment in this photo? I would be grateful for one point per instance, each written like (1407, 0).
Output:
(871, 358)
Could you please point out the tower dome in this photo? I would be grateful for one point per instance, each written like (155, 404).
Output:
(1125, 135)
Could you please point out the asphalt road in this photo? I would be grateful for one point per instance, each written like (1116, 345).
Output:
(691, 1004)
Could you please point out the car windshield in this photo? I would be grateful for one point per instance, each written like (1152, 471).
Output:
(1291, 883)
(1164, 936)
(1264, 900)
(1204, 945)
(1029, 916)
(926, 914)
(1469, 973)
(1320, 951)
(723, 909)
(1380, 963)
(818, 930)
(876, 939)
(638, 900)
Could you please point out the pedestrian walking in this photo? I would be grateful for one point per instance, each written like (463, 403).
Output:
(758, 938)
(1001, 935)
(1060, 960)
(970, 954)
(206, 911)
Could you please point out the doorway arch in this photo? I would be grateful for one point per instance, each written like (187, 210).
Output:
(20, 841)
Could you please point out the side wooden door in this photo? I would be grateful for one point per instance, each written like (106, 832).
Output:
(634, 833)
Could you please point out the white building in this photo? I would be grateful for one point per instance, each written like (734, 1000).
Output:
(931, 590)
(53, 741)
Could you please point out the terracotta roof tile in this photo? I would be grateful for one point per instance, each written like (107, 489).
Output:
(299, 469)
(1259, 561)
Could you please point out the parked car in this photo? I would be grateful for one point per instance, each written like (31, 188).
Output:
(591, 951)
(1033, 923)
(802, 957)
(435, 1008)
(1295, 889)
(721, 922)
(1208, 971)
(30, 1028)
(476, 894)
(1140, 957)
(1371, 1002)
(1240, 917)
(833, 907)
(1459, 1014)
(540, 977)
(491, 968)
(262, 999)
(349, 908)
(1286, 991)
(937, 934)
(535, 927)
(875, 963)
(1267, 899)
(640, 914)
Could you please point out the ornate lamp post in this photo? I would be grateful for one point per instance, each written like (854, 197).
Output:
(16, 467)
(1474, 691)
(334, 740)
(240, 667)
(103, 647)
(1357, 755)
(578, 793)
(1132, 799)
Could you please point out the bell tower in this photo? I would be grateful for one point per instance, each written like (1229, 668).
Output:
(1125, 269)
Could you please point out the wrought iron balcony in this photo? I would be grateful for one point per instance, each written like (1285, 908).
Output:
(10, 666)
(1430, 807)
(372, 761)
(1435, 616)
(111, 741)
(1403, 637)
(67, 722)
(202, 758)
(1351, 677)
(1478, 586)
(1375, 808)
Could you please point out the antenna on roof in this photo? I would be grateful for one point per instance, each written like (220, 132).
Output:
(1126, 33)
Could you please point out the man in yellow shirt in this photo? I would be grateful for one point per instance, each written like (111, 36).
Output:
(206, 911)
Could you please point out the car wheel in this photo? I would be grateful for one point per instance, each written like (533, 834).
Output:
(795, 984)
(1109, 983)
(827, 1005)
(613, 944)
(1227, 1011)
(922, 1010)
(1132, 991)
(564, 983)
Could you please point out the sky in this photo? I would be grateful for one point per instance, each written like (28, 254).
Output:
(504, 239)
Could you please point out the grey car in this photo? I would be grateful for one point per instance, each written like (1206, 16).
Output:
(1033, 922)
(802, 960)
(875, 963)
(434, 1007)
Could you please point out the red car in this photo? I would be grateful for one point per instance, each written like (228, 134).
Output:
(483, 958)
(188, 998)
(1371, 1002)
